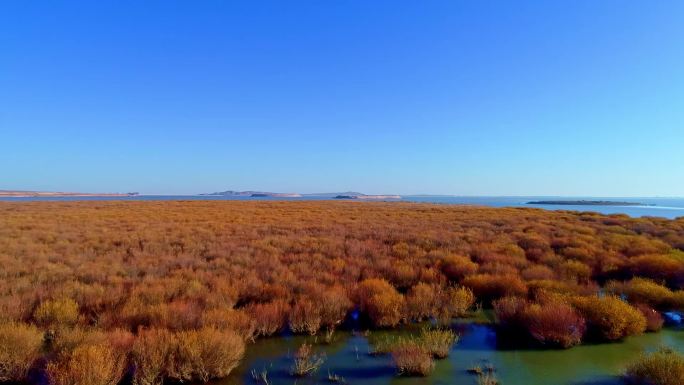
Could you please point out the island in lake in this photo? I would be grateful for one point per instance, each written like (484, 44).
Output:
(586, 203)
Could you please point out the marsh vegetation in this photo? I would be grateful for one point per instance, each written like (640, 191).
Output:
(148, 291)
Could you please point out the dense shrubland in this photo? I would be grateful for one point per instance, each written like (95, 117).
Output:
(92, 292)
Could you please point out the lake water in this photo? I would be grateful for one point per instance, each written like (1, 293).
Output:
(348, 356)
(657, 207)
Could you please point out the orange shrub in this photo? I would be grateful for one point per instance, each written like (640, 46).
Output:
(412, 358)
(437, 341)
(305, 316)
(402, 275)
(641, 290)
(422, 301)
(65, 340)
(536, 248)
(88, 365)
(176, 315)
(333, 306)
(609, 317)
(488, 287)
(368, 288)
(15, 308)
(381, 301)
(385, 308)
(454, 302)
(63, 311)
(19, 348)
(678, 300)
(554, 323)
(270, 317)
(562, 287)
(575, 271)
(537, 272)
(654, 321)
(205, 354)
(456, 267)
(425, 301)
(551, 322)
(509, 311)
(151, 355)
(661, 268)
(663, 367)
(120, 340)
(237, 320)
(222, 294)
(179, 315)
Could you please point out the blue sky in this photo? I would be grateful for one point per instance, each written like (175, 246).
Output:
(442, 97)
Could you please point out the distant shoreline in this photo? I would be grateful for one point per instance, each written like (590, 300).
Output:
(334, 195)
(367, 197)
(586, 203)
(38, 194)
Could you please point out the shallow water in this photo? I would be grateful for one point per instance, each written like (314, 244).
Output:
(347, 356)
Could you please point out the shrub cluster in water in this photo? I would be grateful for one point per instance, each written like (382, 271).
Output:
(415, 354)
(564, 320)
(155, 290)
(664, 367)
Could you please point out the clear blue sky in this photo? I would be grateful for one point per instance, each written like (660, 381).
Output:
(444, 97)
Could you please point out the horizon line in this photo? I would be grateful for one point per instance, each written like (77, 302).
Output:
(352, 190)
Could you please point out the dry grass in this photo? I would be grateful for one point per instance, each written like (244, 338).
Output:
(487, 379)
(306, 361)
(412, 358)
(437, 341)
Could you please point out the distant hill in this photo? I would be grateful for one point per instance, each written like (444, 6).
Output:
(364, 196)
(254, 194)
(333, 195)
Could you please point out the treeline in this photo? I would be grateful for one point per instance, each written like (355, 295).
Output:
(174, 290)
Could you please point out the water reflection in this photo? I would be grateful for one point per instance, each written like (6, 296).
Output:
(348, 356)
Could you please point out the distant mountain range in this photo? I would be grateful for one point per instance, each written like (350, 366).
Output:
(334, 195)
